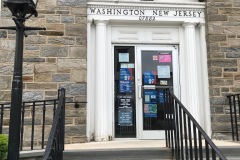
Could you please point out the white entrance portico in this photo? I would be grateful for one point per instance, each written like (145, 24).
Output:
(176, 29)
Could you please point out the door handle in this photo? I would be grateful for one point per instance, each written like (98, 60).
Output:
(139, 91)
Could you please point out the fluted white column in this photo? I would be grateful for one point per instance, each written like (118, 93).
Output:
(100, 94)
(91, 82)
(191, 67)
(204, 80)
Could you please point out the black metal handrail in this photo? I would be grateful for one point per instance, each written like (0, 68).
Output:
(36, 117)
(55, 145)
(184, 135)
(234, 106)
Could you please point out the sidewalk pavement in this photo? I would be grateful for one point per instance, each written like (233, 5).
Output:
(128, 144)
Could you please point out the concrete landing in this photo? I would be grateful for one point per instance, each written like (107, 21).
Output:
(129, 144)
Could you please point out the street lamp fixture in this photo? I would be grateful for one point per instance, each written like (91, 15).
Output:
(21, 11)
(21, 6)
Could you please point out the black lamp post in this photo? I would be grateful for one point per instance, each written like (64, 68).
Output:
(21, 11)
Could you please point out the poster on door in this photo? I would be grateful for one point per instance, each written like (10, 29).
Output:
(150, 96)
(165, 58)
(125, 117)
(163, 71)
(125, 86)
(126, 74)
(150, 110)
(149, 77)
(160, 96)
(124, 102)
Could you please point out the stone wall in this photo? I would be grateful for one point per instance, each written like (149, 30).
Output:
(223, 45)
(53, 59)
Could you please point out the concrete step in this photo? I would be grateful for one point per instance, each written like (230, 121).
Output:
(119, 154)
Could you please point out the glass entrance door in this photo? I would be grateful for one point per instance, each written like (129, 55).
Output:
(157, 69)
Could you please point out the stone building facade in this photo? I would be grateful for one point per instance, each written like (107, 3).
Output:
(59, 57)
(53, 59)
(223, 45)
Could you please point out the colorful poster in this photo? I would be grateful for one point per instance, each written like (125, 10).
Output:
(125, 102)
(155, 57)
(160, 96)
(126, 74)
(125, 86)
(150, 96)
(150, 110)
(149, 77)
(165, 58)
(123, 57)
(163, 71)
(125, 117)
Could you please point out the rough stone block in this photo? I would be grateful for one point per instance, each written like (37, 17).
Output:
(75, 130)
(230, 69)
(219, 100)
(28, 69)
(55, 27)
(53, 18)
(33, 59)
(214, 91)
(5, 82)
(215, 72)
(76, 29)
(217, 17)
(72, 2)
(78, 52)
(6, 56)
(3, 34)
(67, 19)
(224, 62)
(229, 11)
(79, 75)
(6, 69)
(7, 44)
(32, 95)
(45, 68)
(51, 93)
(82, 39)
(61, 40)
(73, 89)
(27, 79)
(51, 33)
(79, 11)
(217, 38)
(60, 77)
(43, 77)
(72, 63)
(42, 86)
(54, 51)
(217, 109)
(35, 40)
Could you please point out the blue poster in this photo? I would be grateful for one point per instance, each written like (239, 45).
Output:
(125, 86)
(150, 96)
(149, 77)
(126, 74)
(150, 110)
(125, 117)
(160, 96)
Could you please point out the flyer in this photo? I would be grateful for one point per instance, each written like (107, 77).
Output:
(150, 110)
(165, 58)
(150, 96)
(125, 102)
(149, 77)
(125, 86)
(163, 71)
(125, 117)
(126, 74)
(160, 96)
(123, 57)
